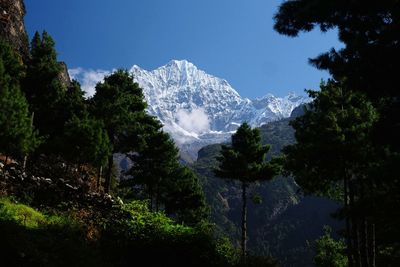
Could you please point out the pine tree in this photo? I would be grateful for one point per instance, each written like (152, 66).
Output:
(154, 163)
(184, 197)
(44, 90)
(17, 137)
(119, 104)
(85, 141)
(334, 148)
(368, 62)
(245, 161)
(156, 167)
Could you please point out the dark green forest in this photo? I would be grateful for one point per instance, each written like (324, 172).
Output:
(318, 189)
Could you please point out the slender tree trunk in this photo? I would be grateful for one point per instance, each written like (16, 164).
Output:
(157, 198)
(6, 163)
(26, 156)
(151, 197)
(372, 246)
(244, 221)
(371, 237)
(364, 242)
(107, 182)
(364, 232)
(99, 174)
(24, 163)
(355, 228)
(348, 230)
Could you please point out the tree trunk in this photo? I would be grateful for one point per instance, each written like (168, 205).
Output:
(99, 174)
(355, 228)
(24, 163)
(151, 197)
(372, 246)
(244, 221)
(26, 156)
(107, 182)
(364, 242)
(348, 230)
(157, 198)
(364, 232)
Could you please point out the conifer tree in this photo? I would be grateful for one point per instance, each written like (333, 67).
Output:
(154, 163)
(156, 166)
(334, 148)
(44, 90)
(370, 32)
(184, 197)
(245, 161)
(17, 137)
(85, 141)
(119, 104)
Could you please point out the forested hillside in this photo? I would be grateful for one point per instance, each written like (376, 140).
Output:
(282, 223)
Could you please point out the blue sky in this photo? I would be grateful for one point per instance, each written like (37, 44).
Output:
(231, 39)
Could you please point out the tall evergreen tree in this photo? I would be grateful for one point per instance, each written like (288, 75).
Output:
(334, 148)
(17, 137)
(154, 163)
(245, 161)
(156, 166)
(44, 90)
(368, 62)
(119, 104)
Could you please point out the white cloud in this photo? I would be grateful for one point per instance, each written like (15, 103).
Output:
(195, 121)
(88, 78)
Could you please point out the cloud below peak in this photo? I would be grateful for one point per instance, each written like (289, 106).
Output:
(196, 120)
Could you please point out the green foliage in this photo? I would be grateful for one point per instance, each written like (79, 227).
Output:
(119, 104)
(367, 63)
(17, 137)
(156, 166)
(85, 141)
(43, 88)
(330, 252)
(338, 125)
(184, 197)
(245, 160)
(125, 235)
(21, 214)
(154, 163)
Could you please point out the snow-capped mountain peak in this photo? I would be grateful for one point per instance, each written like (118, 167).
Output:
(196, 107)
(188, 100)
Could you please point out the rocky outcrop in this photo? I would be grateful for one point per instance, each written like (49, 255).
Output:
(64, 75)
(12, 27)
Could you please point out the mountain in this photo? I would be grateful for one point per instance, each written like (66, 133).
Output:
(195, 107)
(198, 109)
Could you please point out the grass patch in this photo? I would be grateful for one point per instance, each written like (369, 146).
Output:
(21, 214)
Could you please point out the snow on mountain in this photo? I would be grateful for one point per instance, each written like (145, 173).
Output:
(193, 104)
(197, 108)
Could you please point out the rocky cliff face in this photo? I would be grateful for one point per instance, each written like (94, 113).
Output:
(12, 30)
(12, 27)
